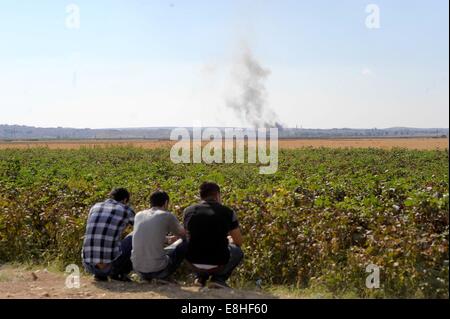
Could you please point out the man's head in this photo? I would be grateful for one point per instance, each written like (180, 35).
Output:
(159, 199)
(120, 195)
(210, 191)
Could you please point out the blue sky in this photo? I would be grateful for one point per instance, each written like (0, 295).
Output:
(142, 63)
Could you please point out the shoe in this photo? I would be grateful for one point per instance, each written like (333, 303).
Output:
(218, 284)
(163, 282)
(121, 277)
(100, 278)
(200, 282)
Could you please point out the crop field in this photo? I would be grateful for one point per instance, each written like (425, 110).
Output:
(383, 143)
(317, 223)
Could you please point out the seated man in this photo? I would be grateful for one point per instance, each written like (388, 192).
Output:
(214, 238)
(150, 259)
(104, 254)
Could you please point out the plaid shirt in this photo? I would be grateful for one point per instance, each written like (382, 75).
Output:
(105, 225)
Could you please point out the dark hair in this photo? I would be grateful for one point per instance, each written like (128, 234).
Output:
(119, 194)
(158, 198)
(209, 189)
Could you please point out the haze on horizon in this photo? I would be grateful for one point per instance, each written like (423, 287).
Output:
(171, 63)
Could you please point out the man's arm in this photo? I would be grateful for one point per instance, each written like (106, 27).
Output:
(130, 216)
(180, 233)
(176, 228)
(236, 237)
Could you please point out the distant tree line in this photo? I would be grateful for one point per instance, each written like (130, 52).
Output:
(16, 132)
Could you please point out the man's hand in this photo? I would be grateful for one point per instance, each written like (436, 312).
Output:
(230, 240)
(171, 239)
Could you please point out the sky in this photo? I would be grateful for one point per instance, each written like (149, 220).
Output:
(143, 63)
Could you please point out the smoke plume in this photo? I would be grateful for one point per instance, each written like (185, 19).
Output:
(250, 99)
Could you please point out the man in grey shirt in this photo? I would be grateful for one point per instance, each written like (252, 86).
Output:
(151, 259)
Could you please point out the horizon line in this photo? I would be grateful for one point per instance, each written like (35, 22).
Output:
(235, 127)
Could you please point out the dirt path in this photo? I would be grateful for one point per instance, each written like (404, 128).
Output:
(18, 283)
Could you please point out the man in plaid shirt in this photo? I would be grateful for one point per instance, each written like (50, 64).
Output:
(104, 254)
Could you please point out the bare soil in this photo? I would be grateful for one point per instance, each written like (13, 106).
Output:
(20, 283)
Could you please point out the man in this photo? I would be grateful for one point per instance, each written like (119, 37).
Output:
(214, 238)
(149, 256)
(104, 254)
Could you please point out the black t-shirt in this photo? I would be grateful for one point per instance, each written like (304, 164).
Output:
(208, 225)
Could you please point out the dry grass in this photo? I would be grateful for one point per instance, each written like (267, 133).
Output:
(384, 143)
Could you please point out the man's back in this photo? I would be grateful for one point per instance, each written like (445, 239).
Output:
(105, 225)
(149, 236)
(208, 225)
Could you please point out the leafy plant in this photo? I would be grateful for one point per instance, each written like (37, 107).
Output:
(319, 221)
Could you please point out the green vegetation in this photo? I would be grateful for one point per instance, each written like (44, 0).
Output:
(317, 223)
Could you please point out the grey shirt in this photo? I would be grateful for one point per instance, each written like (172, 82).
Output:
(149, 237)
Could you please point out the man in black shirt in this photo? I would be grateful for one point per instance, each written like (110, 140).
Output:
(214, 238)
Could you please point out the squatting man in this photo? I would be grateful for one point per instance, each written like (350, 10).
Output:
(209, 239)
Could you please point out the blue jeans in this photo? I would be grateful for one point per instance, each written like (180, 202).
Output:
(224, 272)
(176, 253)
(122, 265)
